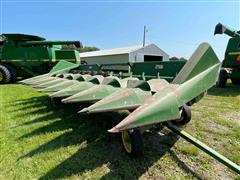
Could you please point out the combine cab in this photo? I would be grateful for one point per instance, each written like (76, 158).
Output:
(27, 55)
(231, 63)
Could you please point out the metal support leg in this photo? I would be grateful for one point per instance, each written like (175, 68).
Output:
(204, 147)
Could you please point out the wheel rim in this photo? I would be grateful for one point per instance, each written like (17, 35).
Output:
(126, 141)
(181, 118)
(1, 76)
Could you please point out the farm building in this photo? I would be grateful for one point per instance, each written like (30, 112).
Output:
(136, 53)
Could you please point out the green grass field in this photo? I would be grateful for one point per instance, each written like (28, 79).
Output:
(40, 141)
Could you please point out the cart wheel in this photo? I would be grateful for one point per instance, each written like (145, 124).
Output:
(222, 79)
(4, 75)
(186, 116)
(132, 142)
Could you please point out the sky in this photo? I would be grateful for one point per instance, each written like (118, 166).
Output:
(177, 27)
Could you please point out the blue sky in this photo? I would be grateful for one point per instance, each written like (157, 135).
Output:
(175, 26)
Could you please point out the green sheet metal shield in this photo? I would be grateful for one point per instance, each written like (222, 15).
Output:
(198, 75)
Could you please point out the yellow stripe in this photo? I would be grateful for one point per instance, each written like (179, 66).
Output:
(233, 53)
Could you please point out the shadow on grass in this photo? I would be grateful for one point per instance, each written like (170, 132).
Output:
(229, 90)
(100, 148)
(42, 105)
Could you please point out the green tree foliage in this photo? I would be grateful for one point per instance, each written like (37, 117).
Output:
(177, 59)
(173, 58)
(83, 49)
(88, 48)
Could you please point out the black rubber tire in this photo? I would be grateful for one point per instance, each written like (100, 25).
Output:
(222, 79)
(186, 116)
(6, 76)
(136, 143)
(236, 81)
(13, 73)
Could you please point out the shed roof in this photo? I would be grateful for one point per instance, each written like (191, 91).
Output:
(123, 50)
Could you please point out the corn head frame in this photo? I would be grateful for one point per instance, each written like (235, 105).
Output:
(155, 93)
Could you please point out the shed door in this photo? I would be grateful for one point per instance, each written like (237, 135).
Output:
(148, 58)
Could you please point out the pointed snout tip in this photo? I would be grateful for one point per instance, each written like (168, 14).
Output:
(64, 100)
(40, 90)
(29, 80)
(43, 90)
(113, 130)
(67, 100)
(34, 85)
(37, 86)
(22, 82)
(53, 95)
(83, 111)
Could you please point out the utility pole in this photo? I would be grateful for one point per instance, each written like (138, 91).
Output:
(144, 35)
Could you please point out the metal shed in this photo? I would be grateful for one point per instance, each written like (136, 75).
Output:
(136, 53)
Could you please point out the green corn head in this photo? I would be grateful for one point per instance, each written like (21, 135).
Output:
(153, 101)
(153, 98)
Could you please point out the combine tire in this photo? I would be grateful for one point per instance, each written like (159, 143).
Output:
(13, 73)
(186, 116)
(132, 142)
(5, 76)
(222, 79)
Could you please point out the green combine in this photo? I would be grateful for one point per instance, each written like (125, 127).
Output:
(231, 63)
(25, 56)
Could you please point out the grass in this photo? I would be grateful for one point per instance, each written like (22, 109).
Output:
(40, 141)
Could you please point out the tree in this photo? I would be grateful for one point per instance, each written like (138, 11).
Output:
(88, 48)
(182, 59)
(177, 59)
(83, 49)
(173, 58)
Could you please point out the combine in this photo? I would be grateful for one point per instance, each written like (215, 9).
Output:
(26, 56)
(231, 63)
(152, 98)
